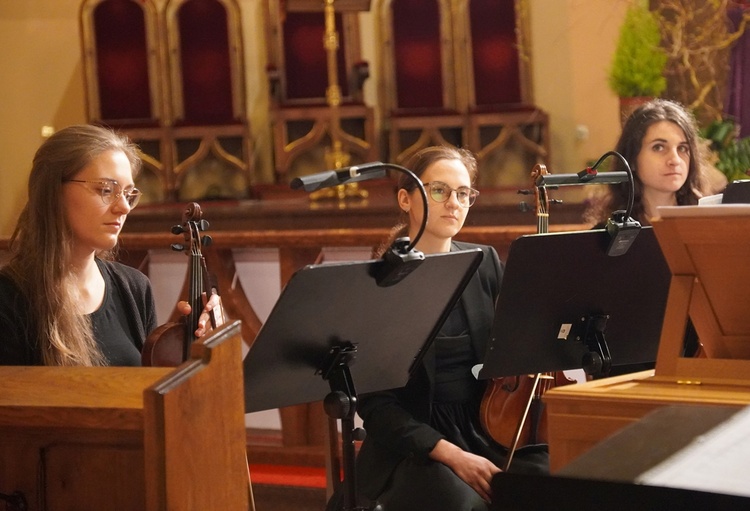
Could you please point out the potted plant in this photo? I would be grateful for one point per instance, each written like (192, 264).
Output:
(731, 154)
(637, 72)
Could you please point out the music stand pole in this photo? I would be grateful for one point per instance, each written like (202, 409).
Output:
(341, 403)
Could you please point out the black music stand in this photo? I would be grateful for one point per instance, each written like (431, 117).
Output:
(565, 304)
(331, 314)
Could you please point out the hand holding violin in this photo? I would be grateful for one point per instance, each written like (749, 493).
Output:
(211, 317)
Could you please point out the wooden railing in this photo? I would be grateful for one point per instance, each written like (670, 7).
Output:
(303, 426)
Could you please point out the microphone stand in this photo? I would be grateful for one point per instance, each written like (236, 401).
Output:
(620, 226)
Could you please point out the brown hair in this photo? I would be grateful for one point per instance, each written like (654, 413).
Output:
(42, 242)
(418, 164)
(629, 146)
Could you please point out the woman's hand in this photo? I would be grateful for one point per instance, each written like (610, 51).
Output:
(211, 317)
(474, 470)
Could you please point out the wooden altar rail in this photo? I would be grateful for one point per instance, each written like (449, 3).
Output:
(304, 425)
(297, 248)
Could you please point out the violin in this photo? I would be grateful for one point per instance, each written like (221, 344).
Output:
(511, 411)
(169, 344)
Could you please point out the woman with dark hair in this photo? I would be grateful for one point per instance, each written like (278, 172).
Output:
(425, 447)
(63, 301)
(660, 143)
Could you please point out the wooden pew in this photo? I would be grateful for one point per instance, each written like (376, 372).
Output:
(125, 438)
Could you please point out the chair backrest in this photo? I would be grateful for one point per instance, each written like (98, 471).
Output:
(120, 44)
(493, 53)
(297, 59)
(205, 65)
(418, 63)
(305, 64)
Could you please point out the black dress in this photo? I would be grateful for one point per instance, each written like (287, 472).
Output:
(440, 401)
(425, 484)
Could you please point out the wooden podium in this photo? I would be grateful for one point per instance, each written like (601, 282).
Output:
(708, 251)
(128, 438)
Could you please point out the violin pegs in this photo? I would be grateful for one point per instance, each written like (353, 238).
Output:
(203, 225)
(177, 229)
(177, 247)
(206, 241)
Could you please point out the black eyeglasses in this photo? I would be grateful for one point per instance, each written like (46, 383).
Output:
(110, 190)
(441, 192)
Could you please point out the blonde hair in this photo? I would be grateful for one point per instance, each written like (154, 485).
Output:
(42, 242)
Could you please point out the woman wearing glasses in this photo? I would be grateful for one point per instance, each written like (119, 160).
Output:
(425, 447)
(63, 301)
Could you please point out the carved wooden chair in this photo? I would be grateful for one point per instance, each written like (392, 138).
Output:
(172, 80)
(121, 41)
(419, 96)
(304, 124)
(212, 146)
(507, 133)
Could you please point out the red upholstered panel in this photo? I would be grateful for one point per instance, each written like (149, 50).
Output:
(122, 61)
(306, 62)
(206, 66)
(497, 78)
(416, 34)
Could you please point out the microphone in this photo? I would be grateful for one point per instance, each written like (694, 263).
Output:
(588, 175)
(398, 262)
(622, 232)
(351, 174)
(402, 258)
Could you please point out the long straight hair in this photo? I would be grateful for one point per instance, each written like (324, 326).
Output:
(42, 242)
(629, 146)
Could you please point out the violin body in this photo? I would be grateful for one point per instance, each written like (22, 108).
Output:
(504, 404)
(164, 346)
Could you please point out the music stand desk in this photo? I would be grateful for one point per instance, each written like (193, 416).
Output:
(335, 328)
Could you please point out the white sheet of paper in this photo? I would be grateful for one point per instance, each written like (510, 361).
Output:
(716, 461)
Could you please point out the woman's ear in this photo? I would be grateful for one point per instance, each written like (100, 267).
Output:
(404, 200)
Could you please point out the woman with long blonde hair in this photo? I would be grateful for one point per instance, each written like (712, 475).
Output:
(63, 300)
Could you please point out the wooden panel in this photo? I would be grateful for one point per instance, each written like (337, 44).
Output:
(67, 469)
(582, 415)
(84, 438)
(195, 435)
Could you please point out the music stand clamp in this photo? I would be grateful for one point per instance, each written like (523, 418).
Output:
(341, 403)
(597, 361)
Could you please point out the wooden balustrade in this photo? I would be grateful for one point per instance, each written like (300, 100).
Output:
(303, 426)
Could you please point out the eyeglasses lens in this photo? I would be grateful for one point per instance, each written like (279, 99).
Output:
(441, 192)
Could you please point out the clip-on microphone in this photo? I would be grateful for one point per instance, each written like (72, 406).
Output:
(401, 258)
(398, 262)
(621, 227)
(622, 230)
